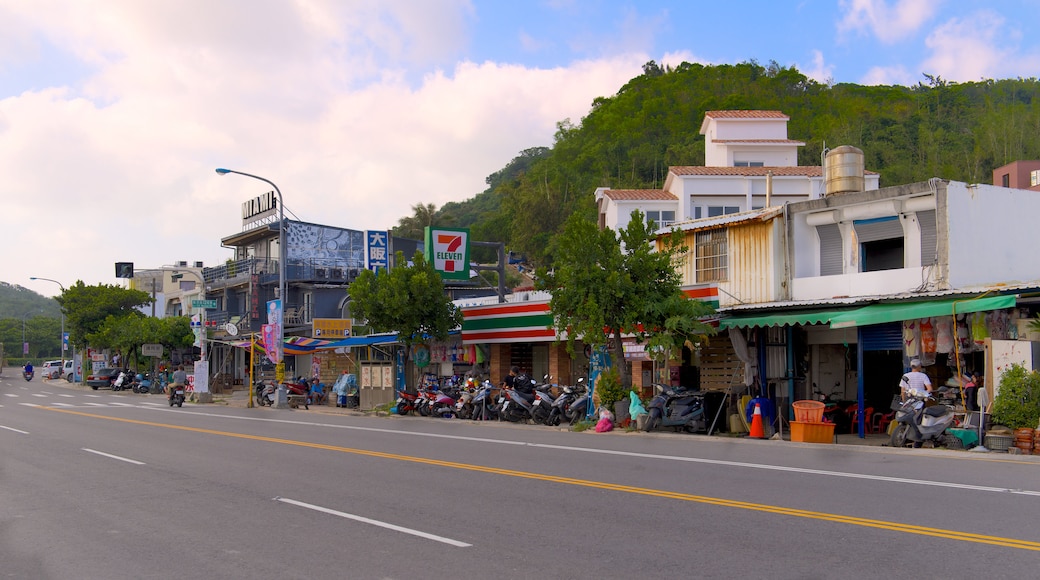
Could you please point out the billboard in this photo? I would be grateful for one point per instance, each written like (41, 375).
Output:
(377, 250)
(448, 250)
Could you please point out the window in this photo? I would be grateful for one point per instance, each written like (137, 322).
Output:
(881, 244)
(711, 256)
(662, 219)
(748, 164)
(717, 210)
(1034, 178)
(1006, 180)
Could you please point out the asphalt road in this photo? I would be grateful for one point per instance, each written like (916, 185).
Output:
(96, 484)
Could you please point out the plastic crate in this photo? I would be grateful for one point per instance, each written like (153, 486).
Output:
(808, 411)
(998, 442)
(806, 432)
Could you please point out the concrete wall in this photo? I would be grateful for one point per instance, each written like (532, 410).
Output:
(992, 234)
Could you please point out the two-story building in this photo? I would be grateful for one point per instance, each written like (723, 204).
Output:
(842, 291)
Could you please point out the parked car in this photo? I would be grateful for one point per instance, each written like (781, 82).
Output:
(66, 371)
(102, 378)
(50, 369)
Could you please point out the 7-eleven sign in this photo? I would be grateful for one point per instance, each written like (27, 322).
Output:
(448, 251)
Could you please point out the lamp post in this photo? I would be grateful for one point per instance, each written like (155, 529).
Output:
(25, 345)
(280, 366)
(62, 341)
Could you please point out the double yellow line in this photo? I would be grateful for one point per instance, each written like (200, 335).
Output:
(850, 520)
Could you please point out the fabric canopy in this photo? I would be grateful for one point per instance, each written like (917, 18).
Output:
(779, 319)
(296, 345)
(872, 314)
(898, 311)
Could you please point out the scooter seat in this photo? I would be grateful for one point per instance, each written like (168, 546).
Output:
(936, 411)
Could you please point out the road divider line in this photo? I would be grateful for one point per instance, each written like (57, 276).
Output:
(763, 508)
(13, 429)
(110, 456)
(378, 523)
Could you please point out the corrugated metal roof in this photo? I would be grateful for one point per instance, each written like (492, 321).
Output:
(639, 195)
(854, 300)
(763, 214)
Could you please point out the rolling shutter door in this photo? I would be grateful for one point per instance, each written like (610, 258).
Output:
(882, 336)
(926, 219)
(886, 228)
(830, 249)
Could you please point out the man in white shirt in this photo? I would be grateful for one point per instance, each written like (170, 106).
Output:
(915, 379)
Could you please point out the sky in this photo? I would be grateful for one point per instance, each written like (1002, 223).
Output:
(114, 114)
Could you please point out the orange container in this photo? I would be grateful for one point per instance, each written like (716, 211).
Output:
(808, 411)
(809, 432)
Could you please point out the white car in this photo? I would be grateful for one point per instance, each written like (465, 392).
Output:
(67, 370)
(50, 369)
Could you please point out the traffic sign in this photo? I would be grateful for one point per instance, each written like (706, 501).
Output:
(203, 303)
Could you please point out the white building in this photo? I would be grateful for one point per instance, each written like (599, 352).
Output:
(749, 164)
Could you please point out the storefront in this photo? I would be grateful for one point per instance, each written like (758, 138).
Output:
(854, 356)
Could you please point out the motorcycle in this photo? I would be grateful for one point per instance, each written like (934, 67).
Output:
(919, 419)
(517, 405)
(571, 405)
(678, 408)
(541, 406)
(28, 375)
(177, 395)
(484, 407)
(265, 393)
(406, 402)
(122, 381)
(142, 383)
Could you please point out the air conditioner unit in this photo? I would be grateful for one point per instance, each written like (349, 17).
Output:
(198, 264)
(337, 273)
(320, 273)
(182, 264)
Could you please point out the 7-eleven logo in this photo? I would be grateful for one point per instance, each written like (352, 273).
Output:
(448, 255)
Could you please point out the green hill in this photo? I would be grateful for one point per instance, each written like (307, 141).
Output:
(959, 131)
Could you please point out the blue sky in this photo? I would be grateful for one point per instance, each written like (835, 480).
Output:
(359, 110)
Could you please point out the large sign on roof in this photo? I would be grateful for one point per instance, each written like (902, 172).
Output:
(448, 250)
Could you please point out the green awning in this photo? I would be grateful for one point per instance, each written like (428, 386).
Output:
(898, 311)
(784, 318)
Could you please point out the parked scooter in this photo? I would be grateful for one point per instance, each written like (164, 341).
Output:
(406, 402)
(571, 405)
(265, 393)
(676, 407)
(142, 383)
(918, 420)
(484, 406)
(517, 402)
(123, 380)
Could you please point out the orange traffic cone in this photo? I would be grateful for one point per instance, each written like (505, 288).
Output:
(757, 432)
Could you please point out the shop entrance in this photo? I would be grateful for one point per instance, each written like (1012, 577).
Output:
(882, 370)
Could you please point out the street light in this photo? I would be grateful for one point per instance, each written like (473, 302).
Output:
(280, 367)
(62, 341)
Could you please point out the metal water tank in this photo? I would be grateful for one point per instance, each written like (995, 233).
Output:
(844, 170)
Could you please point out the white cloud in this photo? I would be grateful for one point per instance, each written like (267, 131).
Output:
(819, 70)
(309, 95)
(891, 75)
(890, 23)
(979, 46)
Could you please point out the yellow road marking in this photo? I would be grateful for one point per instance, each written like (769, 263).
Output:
(850, 520)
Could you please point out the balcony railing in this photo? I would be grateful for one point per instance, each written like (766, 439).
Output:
(318, 271)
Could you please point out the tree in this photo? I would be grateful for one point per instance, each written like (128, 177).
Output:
(414, 226)
(606, 285)
(87, 307)
(127, 333)
(407, 299)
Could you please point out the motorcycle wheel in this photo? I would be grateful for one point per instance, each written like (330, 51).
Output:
(899, 435)
(653, 420)
(180, 403)
(171, 402)
(424, 410)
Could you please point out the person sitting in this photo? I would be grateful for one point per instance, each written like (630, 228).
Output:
(28, 368)
(317, 392)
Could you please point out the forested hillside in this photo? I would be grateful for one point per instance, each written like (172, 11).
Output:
(933, 129)
(16, 302)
